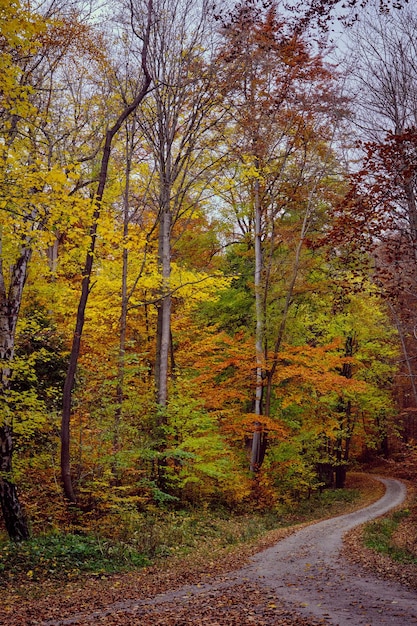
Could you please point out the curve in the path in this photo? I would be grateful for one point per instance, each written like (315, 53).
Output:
(305, 572)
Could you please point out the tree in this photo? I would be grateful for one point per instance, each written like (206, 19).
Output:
(30, 187)
(177, 121)
(285, 111)
(336, 384)
(111, 133)
(36, 192)
(381, 208)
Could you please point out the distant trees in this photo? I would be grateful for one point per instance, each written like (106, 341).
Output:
(382, 206)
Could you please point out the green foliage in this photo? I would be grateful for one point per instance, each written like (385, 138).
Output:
(41, 357)
(38, 372)
(317, 399)
(294, 464)
(233, 309)
(199, 463)
(66, 556)
(320, 504)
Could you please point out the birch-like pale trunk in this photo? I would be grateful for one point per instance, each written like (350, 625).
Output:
(164, 307)
(260, 324)
(176, 127)
(123, 310)
(256, 449)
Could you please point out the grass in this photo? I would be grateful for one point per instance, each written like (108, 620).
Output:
(59, 556)
(379, 536)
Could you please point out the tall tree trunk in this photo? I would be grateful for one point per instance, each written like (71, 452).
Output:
(10, 301)
(260, 326)
(164, 309)
(258, 440)
(88, 266)
(347, 422)
(124, 308)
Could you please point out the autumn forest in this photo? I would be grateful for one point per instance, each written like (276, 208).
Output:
(208, 235)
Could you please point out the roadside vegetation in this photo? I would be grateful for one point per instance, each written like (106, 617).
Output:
(388, 545)
(169, 535)
(383, 536)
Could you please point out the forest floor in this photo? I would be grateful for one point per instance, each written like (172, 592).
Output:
(226, 587)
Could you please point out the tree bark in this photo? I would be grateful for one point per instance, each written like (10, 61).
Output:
(13, 514)
(256, 452)
(164, 309)
(347, 422)
(260, 326)
(124, 307)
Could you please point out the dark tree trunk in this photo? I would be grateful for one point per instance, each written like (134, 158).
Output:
(325, 472)
(13, 514)
(347, 421)
(340, 476)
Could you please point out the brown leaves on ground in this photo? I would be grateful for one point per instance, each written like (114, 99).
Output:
(241, 605)
(406, 535)
(380, 564)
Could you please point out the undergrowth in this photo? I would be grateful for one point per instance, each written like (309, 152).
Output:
(66, 556)
(155, 535)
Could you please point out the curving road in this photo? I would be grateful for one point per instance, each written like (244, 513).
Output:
(305, 569)
(302, 576)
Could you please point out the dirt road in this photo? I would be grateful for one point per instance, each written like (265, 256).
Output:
(299, 581)
(306, 570)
